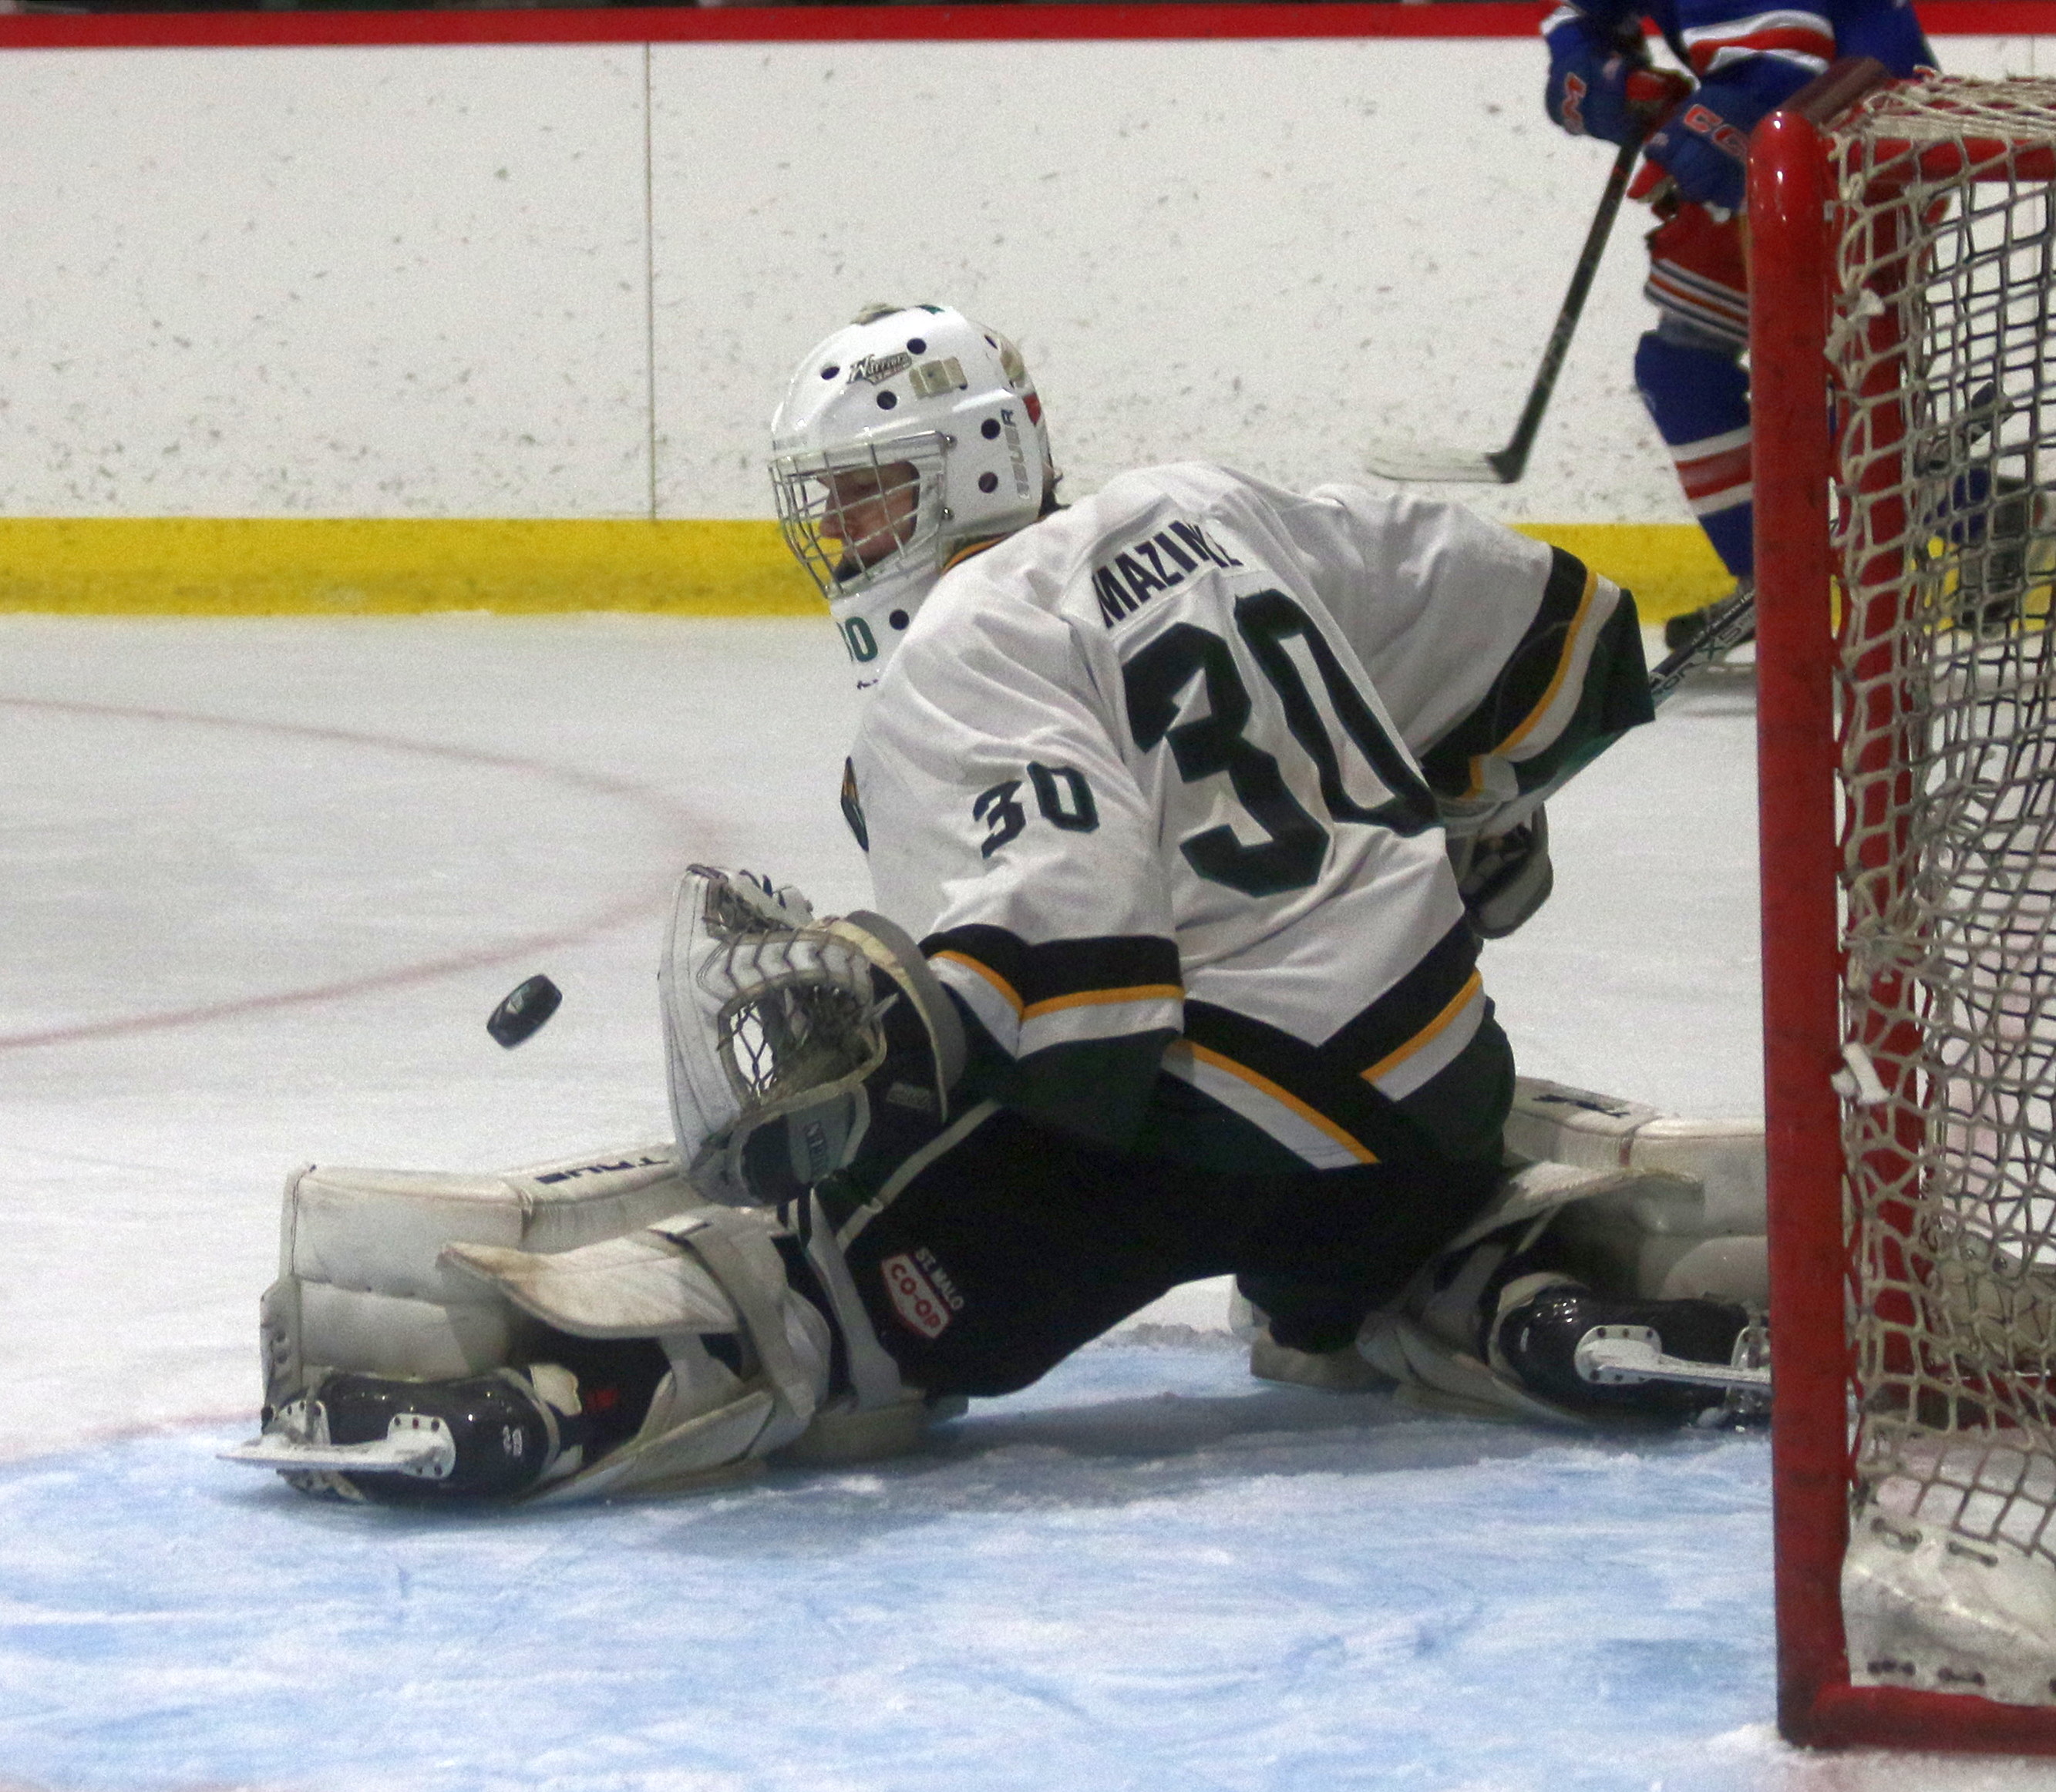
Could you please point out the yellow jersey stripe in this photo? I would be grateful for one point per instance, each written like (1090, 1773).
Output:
(1473, 986)
(1563, 662)
(1096, 998)
(1007, 991)
(1285, 1098)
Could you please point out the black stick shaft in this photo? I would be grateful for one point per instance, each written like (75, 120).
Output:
(1732, 619)
(1511, 461)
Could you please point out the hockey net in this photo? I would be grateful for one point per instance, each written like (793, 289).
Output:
(1907, 657)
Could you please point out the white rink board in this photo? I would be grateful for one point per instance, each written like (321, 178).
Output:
(1256, 252)
(483, 280)
(400, 281)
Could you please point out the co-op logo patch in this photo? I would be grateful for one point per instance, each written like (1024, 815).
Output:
(922, 1294)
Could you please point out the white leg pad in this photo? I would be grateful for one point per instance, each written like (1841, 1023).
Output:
(1720, 1161)
(361, 1284)
(1682, 1212)
(434, 1277)
(1658, 1206)
(708, 1270)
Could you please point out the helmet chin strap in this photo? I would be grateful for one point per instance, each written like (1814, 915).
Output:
(871, 621)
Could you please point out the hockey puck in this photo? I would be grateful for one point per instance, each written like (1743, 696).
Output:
(523, 1011)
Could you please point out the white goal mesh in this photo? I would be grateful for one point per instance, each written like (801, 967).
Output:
(1943, 359)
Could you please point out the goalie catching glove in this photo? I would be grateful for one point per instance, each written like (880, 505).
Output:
(794, 1044)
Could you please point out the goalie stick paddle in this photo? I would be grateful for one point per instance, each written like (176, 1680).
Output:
(1505, 466)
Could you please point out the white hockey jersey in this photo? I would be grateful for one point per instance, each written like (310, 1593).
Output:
(1163, 778)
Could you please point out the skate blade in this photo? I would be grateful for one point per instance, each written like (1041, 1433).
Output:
(1626, 1356)
(398, 1452)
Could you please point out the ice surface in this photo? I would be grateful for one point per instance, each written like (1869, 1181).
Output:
(260, 885)
(1150, 1573)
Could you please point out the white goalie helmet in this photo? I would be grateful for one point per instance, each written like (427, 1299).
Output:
(904, 439)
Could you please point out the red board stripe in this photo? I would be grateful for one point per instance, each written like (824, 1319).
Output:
(774, 24)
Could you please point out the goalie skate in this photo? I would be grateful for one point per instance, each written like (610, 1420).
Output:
(1584, 1349)
(485, 1437)
(1653, 1221)
(1556, 1352)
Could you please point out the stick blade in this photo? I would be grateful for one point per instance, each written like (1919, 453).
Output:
(1413, 462)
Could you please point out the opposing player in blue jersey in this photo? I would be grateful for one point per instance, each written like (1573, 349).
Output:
(1745, 59)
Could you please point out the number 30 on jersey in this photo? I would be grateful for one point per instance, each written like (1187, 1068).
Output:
(1221, 742)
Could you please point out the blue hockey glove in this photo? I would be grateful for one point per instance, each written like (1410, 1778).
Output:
(1704, 145)
(1602, 86)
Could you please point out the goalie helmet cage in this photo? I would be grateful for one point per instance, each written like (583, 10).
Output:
(1904, 368)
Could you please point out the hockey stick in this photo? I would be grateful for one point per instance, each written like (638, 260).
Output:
(1490, 870)
(1728, 625)
(1507, 464)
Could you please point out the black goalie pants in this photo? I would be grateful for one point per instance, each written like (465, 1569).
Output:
(1006, 1252)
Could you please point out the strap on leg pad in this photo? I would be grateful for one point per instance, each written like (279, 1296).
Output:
(707, 1271)
(720, 1269)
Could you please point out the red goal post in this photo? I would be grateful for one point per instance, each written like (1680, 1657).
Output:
(1903, 352)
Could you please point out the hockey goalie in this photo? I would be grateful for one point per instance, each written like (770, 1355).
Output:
(1189, 809)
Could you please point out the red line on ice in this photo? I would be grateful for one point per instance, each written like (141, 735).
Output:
(426, 971)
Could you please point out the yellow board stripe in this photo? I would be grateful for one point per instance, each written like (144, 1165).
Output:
(400, 566)
(1285, 1098)
(1473, 985)
(1670, 567)
(331, 566)
(1097, 998)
